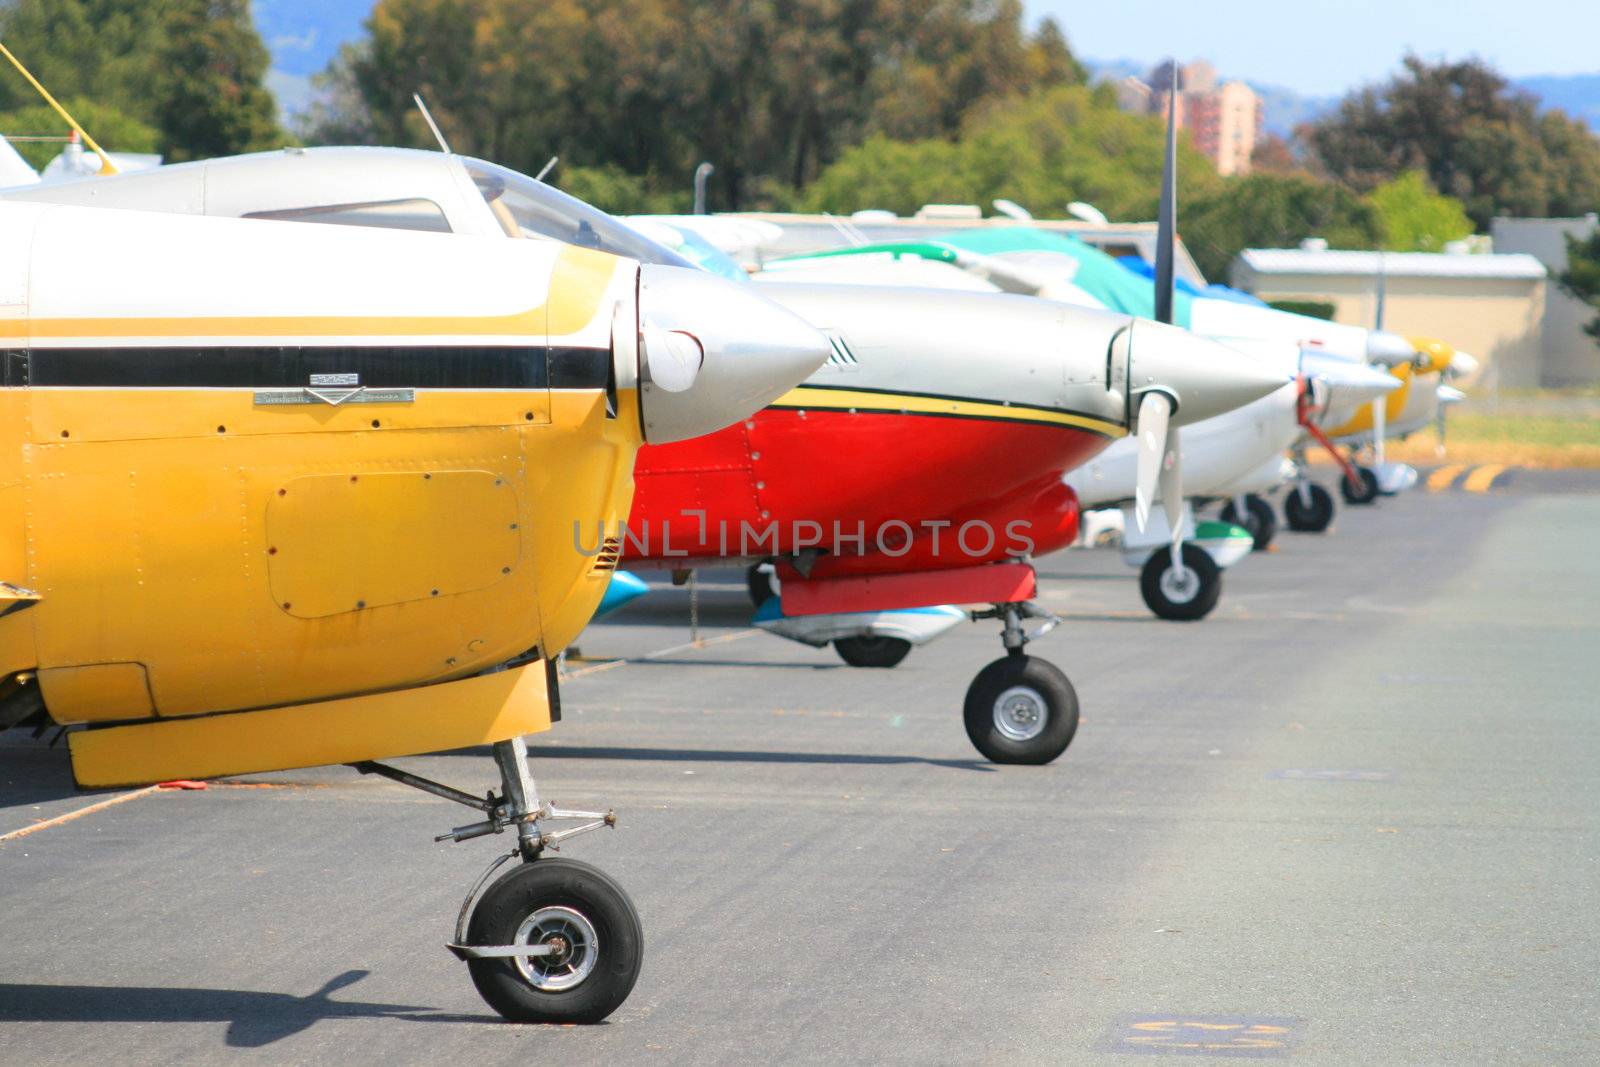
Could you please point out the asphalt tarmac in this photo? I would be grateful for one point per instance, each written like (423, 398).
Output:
(1354, 816)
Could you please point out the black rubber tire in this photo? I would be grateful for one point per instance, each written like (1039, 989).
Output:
(583, 888)
(1195, 559)
(1055, 692)
(1261, 520)
(1313, 518)
(1368, 491)
(872, 651)
(759, 582)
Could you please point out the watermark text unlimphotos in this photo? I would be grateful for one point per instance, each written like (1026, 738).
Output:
(892, 537)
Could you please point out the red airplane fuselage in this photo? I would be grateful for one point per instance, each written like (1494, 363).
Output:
(861, 492)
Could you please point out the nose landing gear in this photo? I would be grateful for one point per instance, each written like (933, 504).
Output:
(552, 940)
(1255, 515)
(1307, 507)
(1020, 709)
(1365, 491)
(1181, 594)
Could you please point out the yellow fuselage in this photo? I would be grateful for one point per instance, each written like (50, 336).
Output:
(1435, 357)
(196, 554)
(244, 578)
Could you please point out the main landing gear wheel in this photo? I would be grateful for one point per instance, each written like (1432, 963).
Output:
(1259, 519)
(1182, 597)
(587, 925)
(759, 581)
(872, 651)
(1366, 493)
(1021, 710)
(1312, 514)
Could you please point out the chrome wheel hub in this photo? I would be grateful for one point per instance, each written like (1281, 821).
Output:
(1180, 588)
(1020, 713)
(575, 948)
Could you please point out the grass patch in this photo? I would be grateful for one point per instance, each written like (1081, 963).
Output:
(1555, 431)
(1521, 440)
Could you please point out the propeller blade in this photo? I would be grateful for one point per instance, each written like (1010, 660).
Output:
(1155, 411)
(1168, 471)
(1167, 214)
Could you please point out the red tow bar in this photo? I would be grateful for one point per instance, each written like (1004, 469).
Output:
(1303, 413)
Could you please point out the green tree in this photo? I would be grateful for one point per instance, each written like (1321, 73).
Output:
(1415, 218)
(190, 69)
(1274, 211)
(115, 131)
(1476, 139)
(1581, 279)
(771, 92)
(1043, 151)
(610, 188)
(209, 96)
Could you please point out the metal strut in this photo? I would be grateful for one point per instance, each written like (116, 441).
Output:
(1012, 635)
(517, 805)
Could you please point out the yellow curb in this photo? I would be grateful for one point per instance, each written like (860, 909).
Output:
(1442, 478)
(1481, 479)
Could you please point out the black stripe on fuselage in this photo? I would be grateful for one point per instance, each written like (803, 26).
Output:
(266, 366)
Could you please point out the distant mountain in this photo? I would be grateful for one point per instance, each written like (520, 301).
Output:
(1284, 109)
(1576, 94)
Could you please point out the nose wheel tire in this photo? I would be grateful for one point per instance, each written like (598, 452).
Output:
(1312, 517)
(759, 581)
(872, 651)
(1260, 520)
(1182, 597)
(583, 916)
(1366, 493)
(1021, 709)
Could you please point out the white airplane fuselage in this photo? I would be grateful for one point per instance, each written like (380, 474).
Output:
(1216, 453)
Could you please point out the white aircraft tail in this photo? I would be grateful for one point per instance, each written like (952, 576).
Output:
(14, 170)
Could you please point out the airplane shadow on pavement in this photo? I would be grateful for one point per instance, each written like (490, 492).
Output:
(254, 1018)
(32, 772)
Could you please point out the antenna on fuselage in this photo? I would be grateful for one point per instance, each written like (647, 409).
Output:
(701, 174)
(427, 116)
(547, 168)
(106, 166)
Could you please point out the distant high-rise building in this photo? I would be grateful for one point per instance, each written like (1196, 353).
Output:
(1223, 120)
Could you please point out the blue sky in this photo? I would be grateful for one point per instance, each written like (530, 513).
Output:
(1325, 47)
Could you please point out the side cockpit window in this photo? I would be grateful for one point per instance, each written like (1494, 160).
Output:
(413, 214)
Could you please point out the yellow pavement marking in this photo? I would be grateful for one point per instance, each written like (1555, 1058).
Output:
(1444, 477)
(79, 813)
(1481, 479)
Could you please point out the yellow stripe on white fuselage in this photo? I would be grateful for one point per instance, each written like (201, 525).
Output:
(914, 404)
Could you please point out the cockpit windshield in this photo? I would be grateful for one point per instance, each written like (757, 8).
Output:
(529, 208)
